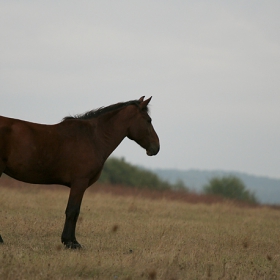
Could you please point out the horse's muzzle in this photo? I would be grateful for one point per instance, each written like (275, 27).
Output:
(153, 150)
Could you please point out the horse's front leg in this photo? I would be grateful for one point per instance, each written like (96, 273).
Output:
(68, 237)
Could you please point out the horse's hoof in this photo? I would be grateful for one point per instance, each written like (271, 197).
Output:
(73, 245)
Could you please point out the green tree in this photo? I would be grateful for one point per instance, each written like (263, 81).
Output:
(231, 187)
(118, 171)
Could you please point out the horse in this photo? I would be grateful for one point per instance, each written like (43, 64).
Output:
(73, 152)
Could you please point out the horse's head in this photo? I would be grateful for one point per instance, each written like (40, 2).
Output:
(141, 129)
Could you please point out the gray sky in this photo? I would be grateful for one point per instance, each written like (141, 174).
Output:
(212, 67)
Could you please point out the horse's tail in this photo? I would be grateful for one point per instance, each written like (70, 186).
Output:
(1, 240)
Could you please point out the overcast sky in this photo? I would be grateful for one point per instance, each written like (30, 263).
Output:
(212, 67)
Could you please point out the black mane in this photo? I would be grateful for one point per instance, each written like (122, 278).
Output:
(103, 110)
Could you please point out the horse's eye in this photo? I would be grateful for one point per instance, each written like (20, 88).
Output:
(149, 120)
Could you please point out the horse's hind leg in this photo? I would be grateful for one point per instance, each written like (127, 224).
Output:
(2, 168)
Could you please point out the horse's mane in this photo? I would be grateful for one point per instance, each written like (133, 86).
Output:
(103, 110)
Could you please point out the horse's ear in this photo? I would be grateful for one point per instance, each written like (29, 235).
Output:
(145, 103)
(141, 99)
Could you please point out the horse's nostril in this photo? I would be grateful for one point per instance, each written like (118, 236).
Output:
(153, 150)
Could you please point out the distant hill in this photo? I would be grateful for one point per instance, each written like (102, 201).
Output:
(267, 190)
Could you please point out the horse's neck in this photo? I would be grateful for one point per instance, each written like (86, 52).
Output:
(113, 129)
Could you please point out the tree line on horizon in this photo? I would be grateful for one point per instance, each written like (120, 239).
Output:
(119, 172)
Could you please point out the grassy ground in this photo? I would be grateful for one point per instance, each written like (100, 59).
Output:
(132, 237)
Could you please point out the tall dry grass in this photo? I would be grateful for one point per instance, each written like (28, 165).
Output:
(130, 237)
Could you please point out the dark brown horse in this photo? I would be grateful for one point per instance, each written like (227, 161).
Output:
(73, 152)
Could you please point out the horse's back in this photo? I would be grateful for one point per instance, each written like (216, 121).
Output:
(5, 126)
(18, 132)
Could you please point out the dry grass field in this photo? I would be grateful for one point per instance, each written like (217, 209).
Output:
(134, 237)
